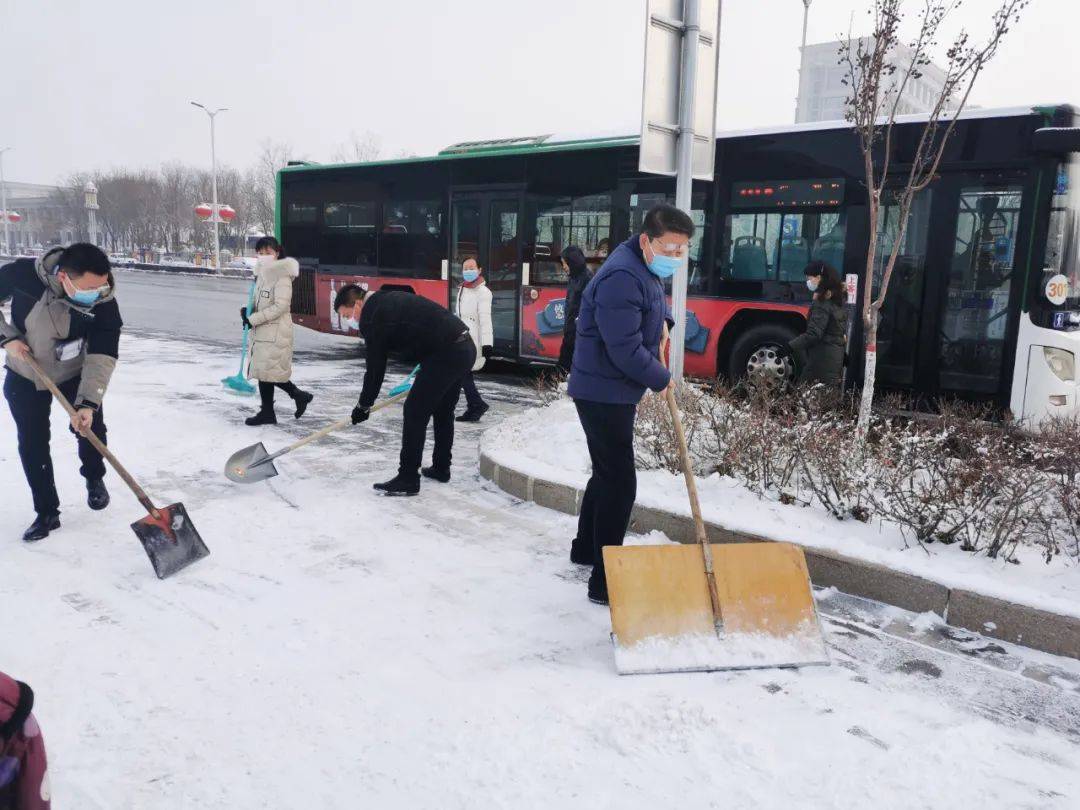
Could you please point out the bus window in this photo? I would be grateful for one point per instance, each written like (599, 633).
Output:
(772, 246)
(301, 214)
(750, 239)
(301, 236)
(976, 312)
(828, 241)
(564, 221)
(901, 315)
(466, 236)
(349, 234)
(410, 241)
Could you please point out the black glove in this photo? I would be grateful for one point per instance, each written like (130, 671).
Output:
(360, 414)
(487, 351)
(244, 318)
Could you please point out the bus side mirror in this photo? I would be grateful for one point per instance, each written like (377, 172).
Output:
(1057, 140)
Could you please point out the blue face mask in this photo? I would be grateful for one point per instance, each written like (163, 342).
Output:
(84, 298)
(664, 266)
(470, 275)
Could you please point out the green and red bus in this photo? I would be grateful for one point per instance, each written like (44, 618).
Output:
(984, 303)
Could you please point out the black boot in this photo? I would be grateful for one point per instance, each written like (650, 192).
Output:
(97, 497)
(581, 553)
(474, 414)
(598, 588)
(436, 474)
(400, 485)
(40, 528)
(302, 400)
(262, 418)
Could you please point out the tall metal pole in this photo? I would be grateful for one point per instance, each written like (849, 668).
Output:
(3, 201)
(213, 183)
(216, 215)
(802, 59)
(684, 180)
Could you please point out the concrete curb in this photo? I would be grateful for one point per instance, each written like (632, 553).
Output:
(997, 618)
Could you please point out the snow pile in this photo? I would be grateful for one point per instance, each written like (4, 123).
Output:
(548, 443)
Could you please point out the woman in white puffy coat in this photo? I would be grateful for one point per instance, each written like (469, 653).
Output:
(270, 320)
(474, 308)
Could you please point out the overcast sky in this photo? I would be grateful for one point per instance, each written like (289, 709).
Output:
(93, 85)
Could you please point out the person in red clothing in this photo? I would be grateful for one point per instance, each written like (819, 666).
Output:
(24, 778)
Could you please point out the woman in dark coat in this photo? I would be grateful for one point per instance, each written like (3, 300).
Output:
(573, 260)
(819, 351)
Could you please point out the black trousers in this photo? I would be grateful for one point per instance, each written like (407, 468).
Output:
(433, 398)
(612, 488)
(266, 392)
(30, 410)
(473, 400)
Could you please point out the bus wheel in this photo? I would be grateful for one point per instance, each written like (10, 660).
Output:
(755, 352)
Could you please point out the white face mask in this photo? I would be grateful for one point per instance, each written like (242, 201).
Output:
(351, 323)
(812, 284)
(265, 260)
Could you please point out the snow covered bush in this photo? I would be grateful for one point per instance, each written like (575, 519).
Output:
(918, 485)
(952, 477)
(656, 446)
(1059, 454)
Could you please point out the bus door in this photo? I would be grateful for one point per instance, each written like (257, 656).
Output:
(983, 267)
(948, 319)
(487, 226)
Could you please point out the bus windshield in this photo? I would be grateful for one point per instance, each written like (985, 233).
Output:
(1063, 252)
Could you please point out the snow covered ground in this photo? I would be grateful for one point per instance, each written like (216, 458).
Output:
(338, 650)
(563, 457)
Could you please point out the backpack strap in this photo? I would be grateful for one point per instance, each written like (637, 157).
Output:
(14, 724)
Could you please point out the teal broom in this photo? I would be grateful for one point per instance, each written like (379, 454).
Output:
(238, 382)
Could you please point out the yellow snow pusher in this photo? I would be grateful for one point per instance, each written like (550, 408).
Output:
(704, 607)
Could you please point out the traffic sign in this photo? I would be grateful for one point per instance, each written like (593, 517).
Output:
(664, 35)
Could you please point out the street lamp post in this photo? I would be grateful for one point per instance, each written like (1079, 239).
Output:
(3, 201)
(90, 195)
(802, 58)
(215, 216)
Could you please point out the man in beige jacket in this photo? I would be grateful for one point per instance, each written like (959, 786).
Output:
(64, 313)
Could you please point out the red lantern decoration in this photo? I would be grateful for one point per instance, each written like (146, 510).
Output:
(203, 210)
(227, 212)
(14, 216)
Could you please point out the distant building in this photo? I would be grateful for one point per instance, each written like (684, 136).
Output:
(822, 92)
(44, 219)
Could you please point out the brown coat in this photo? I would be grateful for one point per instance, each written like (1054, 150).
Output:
(270, 356)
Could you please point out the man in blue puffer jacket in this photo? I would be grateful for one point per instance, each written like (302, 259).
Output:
(616, 357)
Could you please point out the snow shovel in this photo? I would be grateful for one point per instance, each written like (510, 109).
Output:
(705, 607)
(253, 464)
(167, 534)
(238, 382)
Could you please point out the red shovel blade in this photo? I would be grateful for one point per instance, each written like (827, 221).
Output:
(171, 541)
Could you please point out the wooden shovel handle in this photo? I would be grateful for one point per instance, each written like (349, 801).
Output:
(93, 439)
(695, 503)
(341, 423)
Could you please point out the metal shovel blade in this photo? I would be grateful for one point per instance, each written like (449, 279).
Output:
(243, 467)
(171, 542)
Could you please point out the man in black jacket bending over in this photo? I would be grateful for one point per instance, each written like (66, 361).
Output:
(421, 332)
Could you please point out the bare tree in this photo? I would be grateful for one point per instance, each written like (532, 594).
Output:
(262, 182)
(360, 147)
(876, 79)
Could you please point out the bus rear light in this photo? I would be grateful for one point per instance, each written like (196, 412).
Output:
(1061, 362)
